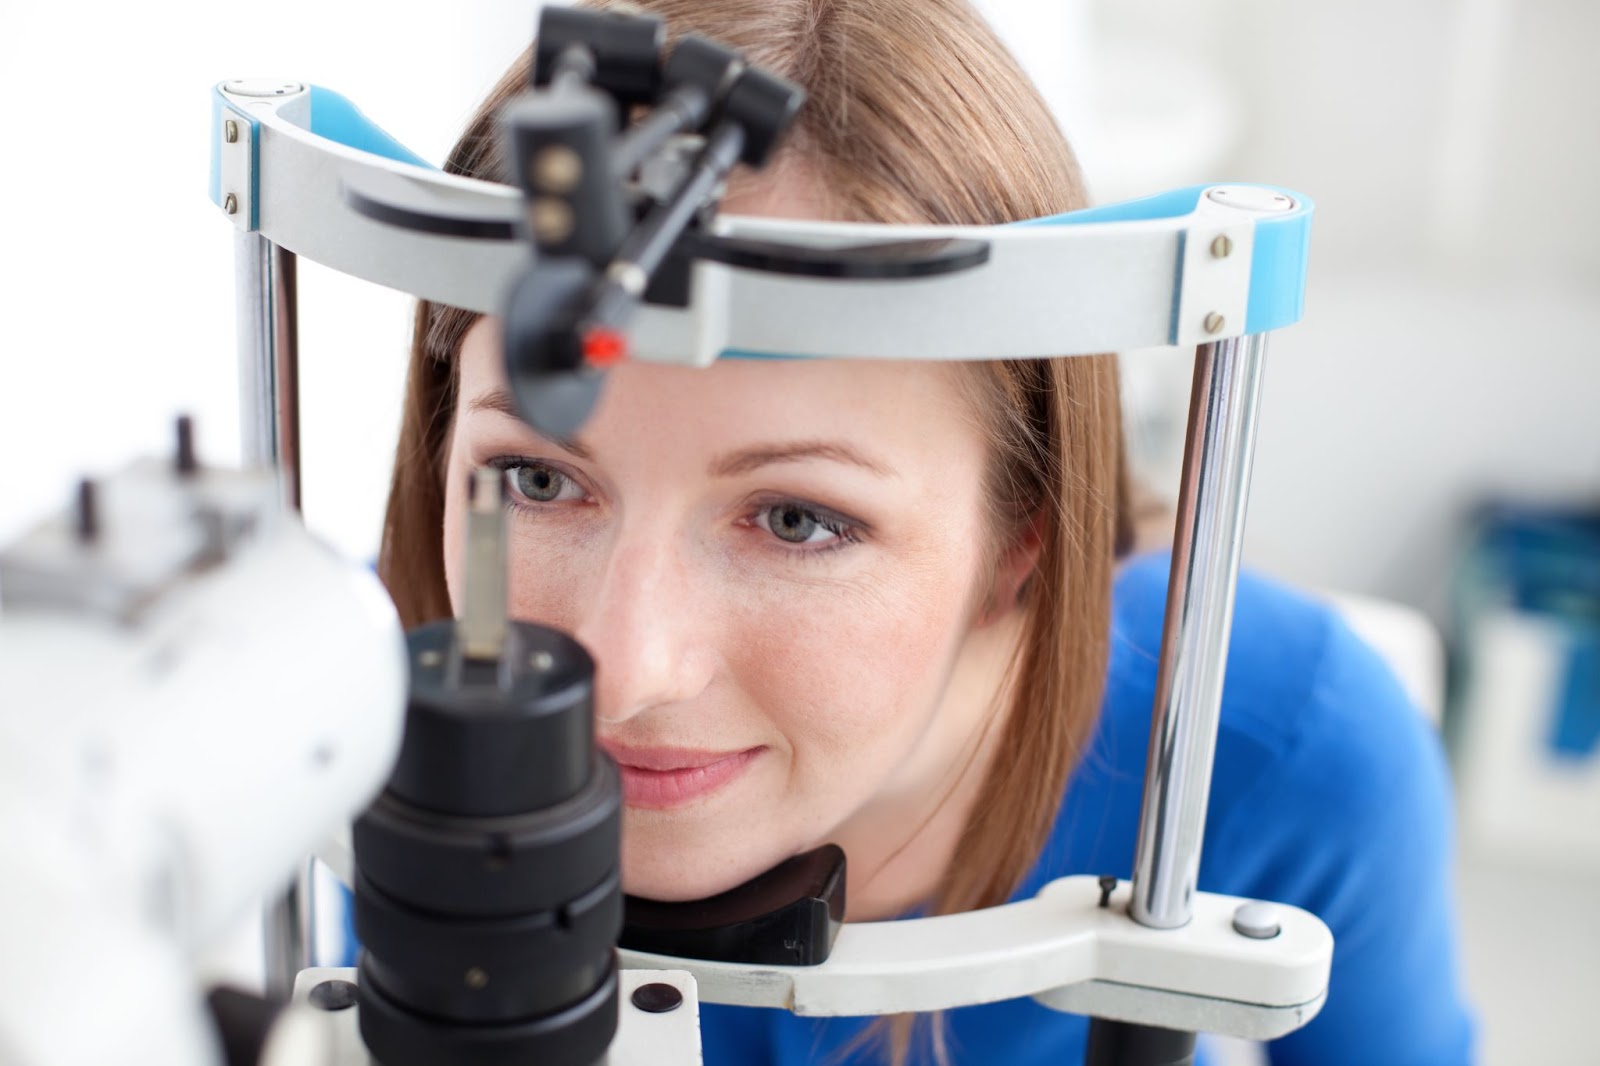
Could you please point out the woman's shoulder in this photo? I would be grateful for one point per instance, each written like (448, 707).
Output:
(1313, 723)
(1295, 670)
(1328, 789)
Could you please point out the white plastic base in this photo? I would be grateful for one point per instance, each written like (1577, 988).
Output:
(332, 1038)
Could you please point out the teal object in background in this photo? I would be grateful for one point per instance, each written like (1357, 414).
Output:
(1545, 562)
(1575, 732)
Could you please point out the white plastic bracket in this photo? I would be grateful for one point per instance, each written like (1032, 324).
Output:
(238, 145)
(1214, 287)
(1047, 947)
(669, 1038)
(236, 158)
(1176, 1010)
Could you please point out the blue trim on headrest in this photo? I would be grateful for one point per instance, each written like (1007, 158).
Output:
(1278, 265)
(214, 184)
(1174, 204)
(745, 353)
(333, 116)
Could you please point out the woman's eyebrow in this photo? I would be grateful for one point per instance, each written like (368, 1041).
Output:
(747, 459)
(501, 402)
(742, 461)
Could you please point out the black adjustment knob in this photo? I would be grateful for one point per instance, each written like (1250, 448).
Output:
(626, 49)
(763, 105)
(704, 64)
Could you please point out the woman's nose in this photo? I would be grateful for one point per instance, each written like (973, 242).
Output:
(644, 626)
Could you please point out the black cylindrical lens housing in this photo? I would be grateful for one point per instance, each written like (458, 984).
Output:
(521, 742)
(487, 890)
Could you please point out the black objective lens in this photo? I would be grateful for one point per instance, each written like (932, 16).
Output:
(487, 897)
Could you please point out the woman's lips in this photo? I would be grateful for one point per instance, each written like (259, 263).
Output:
(662, 778)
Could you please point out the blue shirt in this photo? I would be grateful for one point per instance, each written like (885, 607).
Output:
(1329, 792)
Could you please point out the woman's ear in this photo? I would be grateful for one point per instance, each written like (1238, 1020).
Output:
(1012, 571)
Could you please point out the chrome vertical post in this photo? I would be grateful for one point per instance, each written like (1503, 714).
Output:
(269, 363)
(269, 422)
(288, 934)
(1194, 644)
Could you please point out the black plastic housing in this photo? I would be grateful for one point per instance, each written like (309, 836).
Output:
(555, 391)
(560, 147)
(763, 105)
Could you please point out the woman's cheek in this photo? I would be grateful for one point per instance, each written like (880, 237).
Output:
(849, 672)
(550, 572)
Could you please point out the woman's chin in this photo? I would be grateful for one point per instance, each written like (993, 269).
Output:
(675, 874)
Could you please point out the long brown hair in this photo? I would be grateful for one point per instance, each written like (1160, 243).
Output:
(915, 113)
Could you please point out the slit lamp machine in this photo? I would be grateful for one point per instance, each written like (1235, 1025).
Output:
(175, 611)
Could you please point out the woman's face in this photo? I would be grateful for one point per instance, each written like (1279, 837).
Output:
(783, 571)
(779, 567)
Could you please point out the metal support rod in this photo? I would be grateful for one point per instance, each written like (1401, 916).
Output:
(269, 362)
(680, 111)
(1199, 619)
(288, 935)
(269, 424)
(648, 244)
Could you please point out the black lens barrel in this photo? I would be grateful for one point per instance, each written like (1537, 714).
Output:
(487, 892)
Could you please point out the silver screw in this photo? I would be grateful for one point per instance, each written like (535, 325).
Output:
(630, 276)
(1221, 248)
(551, 219)
(430, 658)
(230, 204)
(557, 169)
(1215, 322)
(541, 660)
(476, 978)
(230, 131)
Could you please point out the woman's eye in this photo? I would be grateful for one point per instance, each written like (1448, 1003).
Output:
(799, 525)
(540, 483)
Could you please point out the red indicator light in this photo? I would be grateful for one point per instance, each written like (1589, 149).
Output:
(604, 347)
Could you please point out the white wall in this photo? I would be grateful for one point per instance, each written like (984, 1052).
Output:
(118, 296)
(1451, 344)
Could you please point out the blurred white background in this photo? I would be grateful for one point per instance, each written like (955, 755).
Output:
(1451, 348)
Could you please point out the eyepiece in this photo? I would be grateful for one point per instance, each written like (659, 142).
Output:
(487, 890)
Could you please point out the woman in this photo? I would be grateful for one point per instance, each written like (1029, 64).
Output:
(880, 605)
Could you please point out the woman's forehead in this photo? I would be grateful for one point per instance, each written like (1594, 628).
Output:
(909, 408)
